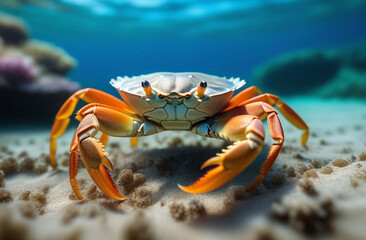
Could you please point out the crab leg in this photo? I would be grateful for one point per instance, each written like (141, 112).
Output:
(275, 129)
(286, 111)
(247, 131)
(241, 97)
(110, 122)
(248, 134)
(62, 118)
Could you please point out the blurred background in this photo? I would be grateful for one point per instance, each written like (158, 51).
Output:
(312, 53)
(49, 49)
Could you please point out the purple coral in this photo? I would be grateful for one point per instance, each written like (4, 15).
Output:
(17, 70)
(52, 84)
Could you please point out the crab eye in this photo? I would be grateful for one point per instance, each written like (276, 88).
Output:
(187, 96)
(145, 84)
(201, 88)
(160, 95)
(147, 88)
(203, 84)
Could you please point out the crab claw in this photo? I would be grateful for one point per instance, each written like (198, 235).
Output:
(97, 163)
(229, 164)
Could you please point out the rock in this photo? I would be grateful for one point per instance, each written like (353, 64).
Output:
(12, 30)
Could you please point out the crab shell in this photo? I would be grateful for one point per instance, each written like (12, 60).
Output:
(174, 103)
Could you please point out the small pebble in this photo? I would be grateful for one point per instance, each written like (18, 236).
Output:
(310, 174)
(2, 179)
(307, 187)
(362, 156)
(339, 162)
(316, 163)
(178, 211)
(291, 172)
(5, 196)
(278, 179)
(326, 170)
(24, 196)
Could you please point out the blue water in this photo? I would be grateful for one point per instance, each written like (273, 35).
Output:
(225, 38)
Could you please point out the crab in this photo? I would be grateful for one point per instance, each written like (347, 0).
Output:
(157, 102)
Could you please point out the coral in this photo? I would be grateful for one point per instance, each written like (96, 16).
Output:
(362, 156)
(2, 179)
(178, 211)
(27, 209)
(17, 70)
(73, 197)
(23, 154)
(309, 217)
(291, 172)
(70, 213)
(11, 228)
(310, 174)
(325, 73)
(12, 30)
(196, 209)
(138, 229)
(9, 165)
(52, 58)
(141, 198)
(40, 168)
(91, 192)
(347, 83)
(129, 180)
(302, 168)
(326, 170)
(316, 163)
(278, 179)
(5, 196)
(307, 187)
(308, 69)
(24, 196)
(339, 162)
(38, 197)
(26, 165)
(31, 72)
(236, 193)
(52, 83)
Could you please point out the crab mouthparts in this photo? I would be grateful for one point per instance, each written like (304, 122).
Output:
(173, 95)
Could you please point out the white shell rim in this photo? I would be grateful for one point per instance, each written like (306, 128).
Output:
(216, 85)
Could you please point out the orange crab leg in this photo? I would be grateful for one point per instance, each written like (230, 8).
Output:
(62, 118)
(286, 111)
(241, 97)
(275, 129)
(110, 122)
(247, 131)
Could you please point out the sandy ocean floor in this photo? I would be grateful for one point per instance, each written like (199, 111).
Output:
(315, 192)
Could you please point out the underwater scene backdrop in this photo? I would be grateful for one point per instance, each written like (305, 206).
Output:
(311, 53)
(224, 38)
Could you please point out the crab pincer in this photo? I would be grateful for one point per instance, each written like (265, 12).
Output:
(247, 132)
(96, 118)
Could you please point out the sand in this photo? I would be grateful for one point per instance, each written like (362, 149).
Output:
(318, 191)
